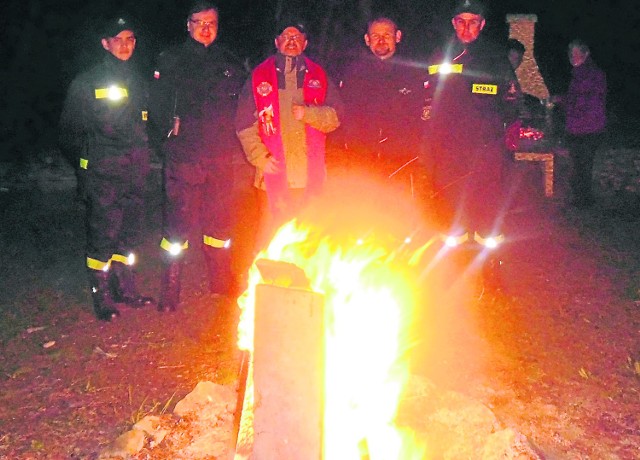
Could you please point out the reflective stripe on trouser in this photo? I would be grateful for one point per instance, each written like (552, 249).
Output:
(197, 202)
(95, 264)
(454, 240)
(215, 242)
(126, 260)
(490, 241)
(174, 248)
(115, 210)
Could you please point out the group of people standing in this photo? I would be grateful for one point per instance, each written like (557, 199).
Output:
(448, 117)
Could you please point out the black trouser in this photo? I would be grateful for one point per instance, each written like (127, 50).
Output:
(197, 202)
(582, 150)
(468, 193)
(115, 204)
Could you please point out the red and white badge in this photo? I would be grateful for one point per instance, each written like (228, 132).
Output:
(264, 88)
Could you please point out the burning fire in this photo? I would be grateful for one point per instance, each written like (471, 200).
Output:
(369, 299)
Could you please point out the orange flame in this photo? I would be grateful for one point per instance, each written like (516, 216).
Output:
(368, 307)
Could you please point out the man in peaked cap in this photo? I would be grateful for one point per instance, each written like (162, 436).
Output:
(468, 6)
(285, 111)
(469, 100)
(103, 130)
(194, 93)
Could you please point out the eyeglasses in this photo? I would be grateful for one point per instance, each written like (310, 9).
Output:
(295, 37)
(202, 24)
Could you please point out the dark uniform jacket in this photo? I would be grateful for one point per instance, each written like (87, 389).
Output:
(103, 132)
(383, 101)
(199, 85)
(104, 115)
(470, 96)
(473, 102)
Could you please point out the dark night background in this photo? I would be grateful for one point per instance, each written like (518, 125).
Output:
(46, 42)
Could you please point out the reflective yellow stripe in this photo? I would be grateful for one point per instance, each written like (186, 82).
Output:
(129, 259)
(145, 115)
(95, 264)
(84, 163)
(480, 240)
(120, 258)
(445, 68)
(214, 242)
(166, 244)
(481, 88)
(458, 239)
(112, 92)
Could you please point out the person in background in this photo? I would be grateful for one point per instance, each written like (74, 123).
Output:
(584, 106)
(103, 128)
(470, 97)
(194, 94)
(382, 94)
(286, 108)
(531, 106)
(515, 52)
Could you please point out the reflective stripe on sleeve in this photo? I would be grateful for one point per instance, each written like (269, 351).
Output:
(112, 92)
(445, 68)
(84, 163)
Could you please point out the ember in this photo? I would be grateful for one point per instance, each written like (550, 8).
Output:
(530, 133)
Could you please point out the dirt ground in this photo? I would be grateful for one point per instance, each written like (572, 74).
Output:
(556, 354)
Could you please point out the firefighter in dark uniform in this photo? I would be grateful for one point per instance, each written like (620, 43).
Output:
(193, 102)
(383, 96)
(470, 99)
(103, 128)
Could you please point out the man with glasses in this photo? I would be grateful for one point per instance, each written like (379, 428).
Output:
(192, 106)
(470, 98)
(382, 93)
(285, 111)
(103, 131)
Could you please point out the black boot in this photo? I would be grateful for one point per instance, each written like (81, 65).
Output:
(170, 289)
(492, 272)
(123, 287)
(219, 271)
(101, 294)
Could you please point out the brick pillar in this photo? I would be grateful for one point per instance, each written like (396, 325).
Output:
(522, 28)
